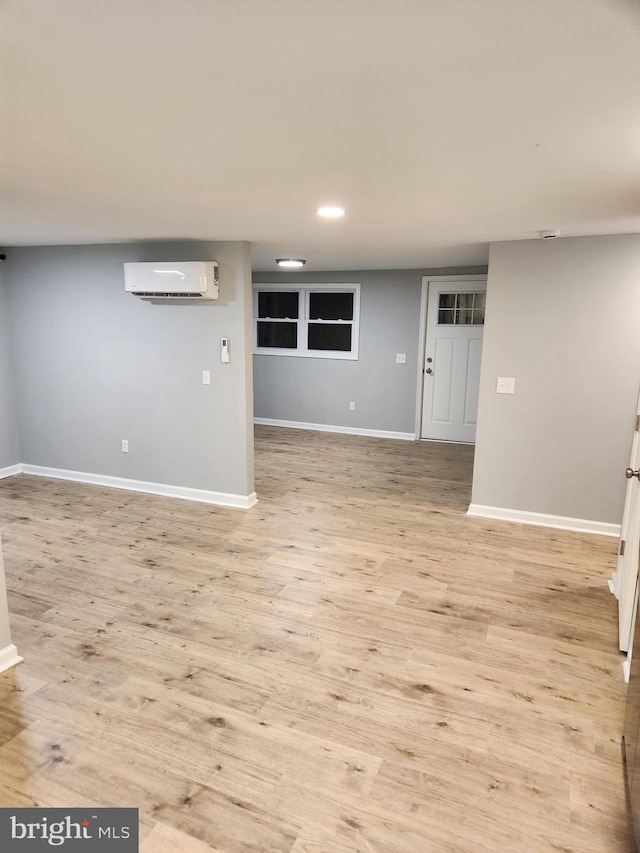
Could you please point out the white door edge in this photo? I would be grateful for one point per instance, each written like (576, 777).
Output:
(624, 580)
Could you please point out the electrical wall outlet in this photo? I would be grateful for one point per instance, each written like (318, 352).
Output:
(352, 407)
(505, 385)
(125, 445)
(401, 358)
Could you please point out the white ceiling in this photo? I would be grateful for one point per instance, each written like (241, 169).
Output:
(441, 125)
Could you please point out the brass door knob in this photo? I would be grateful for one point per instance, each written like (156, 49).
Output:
(629, 473)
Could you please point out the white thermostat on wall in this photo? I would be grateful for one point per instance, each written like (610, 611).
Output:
(225, 356)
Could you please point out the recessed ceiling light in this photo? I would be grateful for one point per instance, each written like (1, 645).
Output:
(331, 212)
(290, 262)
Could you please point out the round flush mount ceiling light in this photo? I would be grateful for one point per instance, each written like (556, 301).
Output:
(290, 263)
(549, 234)
(331, 212)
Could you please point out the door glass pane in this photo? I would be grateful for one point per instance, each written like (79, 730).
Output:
(465, 300)
(463, 309)
(478, 316)
(329, 336)
(446, 317)
(447, 300)
(280, 305)
(281, 335)
(330, 306)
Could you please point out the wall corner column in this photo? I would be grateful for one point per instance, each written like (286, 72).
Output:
(8, 652)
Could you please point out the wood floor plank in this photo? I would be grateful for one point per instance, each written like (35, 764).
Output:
(166, 839)
(352, 666)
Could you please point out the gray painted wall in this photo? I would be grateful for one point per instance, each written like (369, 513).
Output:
(94, 365)
(563, 319)
(319, 390)
(9, 449)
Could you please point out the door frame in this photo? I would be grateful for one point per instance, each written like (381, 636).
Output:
(422, 346)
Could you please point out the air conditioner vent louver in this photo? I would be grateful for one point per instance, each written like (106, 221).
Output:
(166, 295)
(183, 280)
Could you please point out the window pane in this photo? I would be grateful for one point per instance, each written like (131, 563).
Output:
(328, 336)
(479, 300)
(330, 306)
(447, 300)
(282, 335)
(282, 305)
(446, 317)
(465, 300)
(465, 316)
(478, 316)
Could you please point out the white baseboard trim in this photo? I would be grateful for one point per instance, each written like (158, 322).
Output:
(10, 471)
(446, 441)
(373, 433)
(9, 657)
(560, 522)
(182, 492)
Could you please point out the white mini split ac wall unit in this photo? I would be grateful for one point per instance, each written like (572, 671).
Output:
(183, 280)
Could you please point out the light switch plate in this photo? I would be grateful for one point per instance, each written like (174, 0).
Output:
(206, 377)
(505, 385)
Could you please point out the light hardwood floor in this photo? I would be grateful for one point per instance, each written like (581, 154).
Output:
(352, 665)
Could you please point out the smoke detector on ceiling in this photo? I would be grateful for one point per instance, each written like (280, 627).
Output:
(549, 234)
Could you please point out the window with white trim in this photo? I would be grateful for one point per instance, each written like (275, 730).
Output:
(315, 321)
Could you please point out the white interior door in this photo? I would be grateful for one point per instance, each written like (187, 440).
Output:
(624, 580)
(453, 347)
